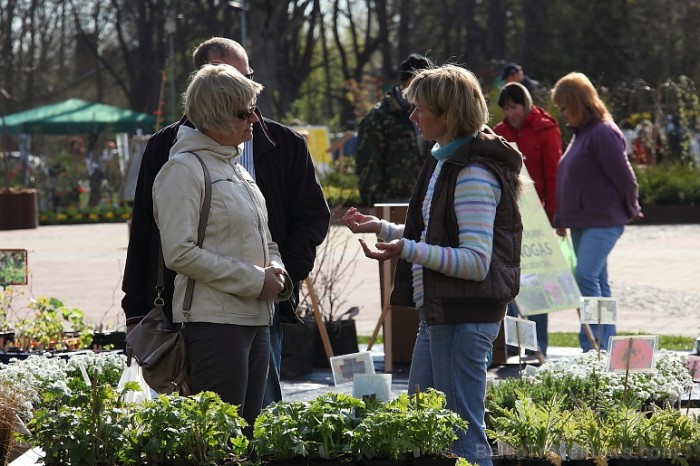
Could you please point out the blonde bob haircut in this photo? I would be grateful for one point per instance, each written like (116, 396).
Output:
(215, 94)
(454, 92)
(575, 93)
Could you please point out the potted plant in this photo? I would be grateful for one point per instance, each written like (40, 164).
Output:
(415, 429)
(76, 415)
(198, 430)
(667, 434)
(625, 428)
(313, 430)
(583, 438)
(531, 429)
(19, 208)
(49, 326)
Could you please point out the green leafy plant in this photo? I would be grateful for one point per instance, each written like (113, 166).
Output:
(418, 426)
(625, 429)
(669, 184)
(45, 328)
(532, 429)
(584, 435)
(80, 427)
(200, 429)
(340, 186)
(279, 434)
(690, 449)
(315, 429)
(667, 432)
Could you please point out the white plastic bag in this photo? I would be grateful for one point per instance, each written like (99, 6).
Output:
(133, 373)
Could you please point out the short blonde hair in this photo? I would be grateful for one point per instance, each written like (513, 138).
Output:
(579, 97)
(215, 94)
(454, 92)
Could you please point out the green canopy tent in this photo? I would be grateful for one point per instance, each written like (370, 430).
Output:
(77, 116)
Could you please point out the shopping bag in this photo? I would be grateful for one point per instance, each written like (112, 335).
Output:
(133, 373)
(567, 249)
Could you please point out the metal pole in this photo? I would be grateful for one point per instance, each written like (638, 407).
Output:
(243, 27)
(173, 98)
(242, 6)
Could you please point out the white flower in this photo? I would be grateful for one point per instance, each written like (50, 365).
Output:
(665, 385)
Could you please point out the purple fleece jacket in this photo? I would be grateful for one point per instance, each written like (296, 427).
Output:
(596, 186)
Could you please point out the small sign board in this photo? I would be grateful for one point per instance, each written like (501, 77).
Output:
(13, 267)
(520, 333)
(632, 354)
(693, 365)
(346, 366)
(596, 310)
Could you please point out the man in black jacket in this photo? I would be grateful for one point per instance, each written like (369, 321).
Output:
(280, 162)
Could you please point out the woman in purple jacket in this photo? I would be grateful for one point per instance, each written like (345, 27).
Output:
(596, 189)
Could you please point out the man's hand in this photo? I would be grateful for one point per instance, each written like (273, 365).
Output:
(385, 251)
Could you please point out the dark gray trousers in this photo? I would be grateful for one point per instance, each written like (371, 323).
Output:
(231, 361)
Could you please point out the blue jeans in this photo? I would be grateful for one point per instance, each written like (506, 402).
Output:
(453, 359)
(592, 247)
(273, 390)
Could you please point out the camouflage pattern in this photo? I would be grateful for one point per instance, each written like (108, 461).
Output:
(388, 158)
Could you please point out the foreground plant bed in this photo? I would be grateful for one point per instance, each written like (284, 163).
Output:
(77, 411)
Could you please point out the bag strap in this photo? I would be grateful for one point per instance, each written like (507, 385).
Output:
(203, 218)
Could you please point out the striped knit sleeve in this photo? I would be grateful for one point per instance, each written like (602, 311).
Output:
(390, 231)
(476, 196)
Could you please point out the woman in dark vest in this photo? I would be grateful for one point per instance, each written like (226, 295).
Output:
(459, 251)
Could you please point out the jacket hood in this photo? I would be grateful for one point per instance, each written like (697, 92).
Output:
(539, 119)
(489, 145)
(192, 140)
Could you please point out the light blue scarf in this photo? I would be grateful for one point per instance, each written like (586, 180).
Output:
(441, 153)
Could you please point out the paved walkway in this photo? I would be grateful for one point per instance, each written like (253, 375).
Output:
(654, 270)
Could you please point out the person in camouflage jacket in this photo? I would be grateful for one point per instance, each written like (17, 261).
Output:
(390, 151)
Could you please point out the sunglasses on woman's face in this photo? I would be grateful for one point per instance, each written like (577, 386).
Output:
(245, 114)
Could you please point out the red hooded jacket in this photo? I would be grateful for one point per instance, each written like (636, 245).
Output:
(539, 140)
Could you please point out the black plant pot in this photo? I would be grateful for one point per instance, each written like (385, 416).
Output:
(627, 461)
(343, 338)
(6, 356)
(504, 460)
(116, 340)
(432, 461)
(297, 350)
(5, 338)
(384, 462)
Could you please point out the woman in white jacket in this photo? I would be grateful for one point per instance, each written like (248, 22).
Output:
(238, 272)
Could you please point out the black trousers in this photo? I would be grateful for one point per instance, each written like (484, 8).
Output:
(231, 361)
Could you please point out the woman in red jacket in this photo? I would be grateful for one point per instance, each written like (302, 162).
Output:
(538, 137)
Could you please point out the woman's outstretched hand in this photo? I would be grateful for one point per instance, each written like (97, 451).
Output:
(385, 251)
(358, 222)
